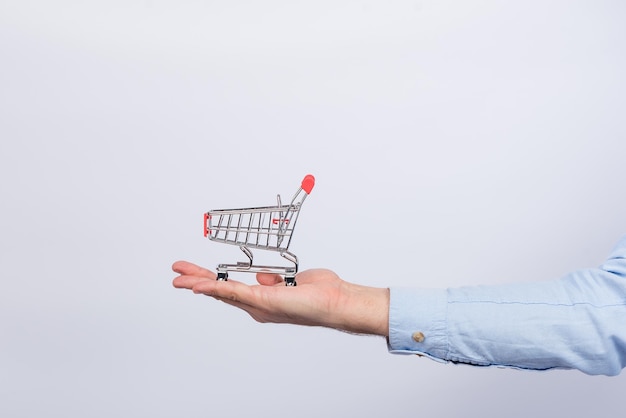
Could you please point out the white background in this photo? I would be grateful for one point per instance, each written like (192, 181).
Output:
(453, 142)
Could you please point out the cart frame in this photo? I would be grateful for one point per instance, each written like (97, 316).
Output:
(265, 227)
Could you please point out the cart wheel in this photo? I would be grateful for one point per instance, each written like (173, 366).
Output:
(290, 281)
(222, 277)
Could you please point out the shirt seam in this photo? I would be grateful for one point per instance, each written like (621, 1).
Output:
(535, 303)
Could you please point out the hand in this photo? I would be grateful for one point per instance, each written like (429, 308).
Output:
(321, 298)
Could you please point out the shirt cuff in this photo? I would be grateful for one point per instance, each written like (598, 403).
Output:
(417, 322)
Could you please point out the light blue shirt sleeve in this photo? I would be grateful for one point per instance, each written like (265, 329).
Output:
(576, 322)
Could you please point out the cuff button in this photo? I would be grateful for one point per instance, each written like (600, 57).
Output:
(418, 337)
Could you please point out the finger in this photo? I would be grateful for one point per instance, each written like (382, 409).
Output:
(268, 279)
(186, 268)
(188, 282)
(231, 290)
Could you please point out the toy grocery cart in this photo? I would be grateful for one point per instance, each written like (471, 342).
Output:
(265, 228)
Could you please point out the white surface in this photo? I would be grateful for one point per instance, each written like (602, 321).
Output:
(453, 143)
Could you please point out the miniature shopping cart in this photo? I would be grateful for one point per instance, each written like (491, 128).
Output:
(265, 228)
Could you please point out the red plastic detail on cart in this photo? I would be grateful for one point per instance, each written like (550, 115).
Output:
(276, 220)
(307, 183)
(206, 225)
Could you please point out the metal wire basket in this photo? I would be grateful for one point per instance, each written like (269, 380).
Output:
(266, 228)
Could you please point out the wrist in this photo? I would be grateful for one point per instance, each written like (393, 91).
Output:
(366, 310)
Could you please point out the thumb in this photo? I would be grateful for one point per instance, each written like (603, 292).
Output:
(268, 279)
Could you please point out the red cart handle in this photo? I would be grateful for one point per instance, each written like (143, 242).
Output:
(307, 183)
